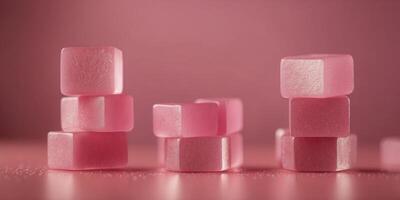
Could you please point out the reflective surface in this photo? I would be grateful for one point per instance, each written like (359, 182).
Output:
(23, 175)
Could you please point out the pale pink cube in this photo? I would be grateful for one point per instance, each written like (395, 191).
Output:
(230, 114)
(111, 113)
(325, 117)
(87, 150)
(389, 152)
(185, 120)
(202, 154)
(319, 153)
(317, 75)
(279, 133)
(91, 71)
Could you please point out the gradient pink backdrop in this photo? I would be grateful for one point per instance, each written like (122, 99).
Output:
(181, 50)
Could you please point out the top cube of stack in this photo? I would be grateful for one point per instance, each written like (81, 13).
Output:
(185, 120)
(91, 71)
(317, 75)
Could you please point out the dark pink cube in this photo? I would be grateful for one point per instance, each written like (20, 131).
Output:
(315, 117)
(319, 153)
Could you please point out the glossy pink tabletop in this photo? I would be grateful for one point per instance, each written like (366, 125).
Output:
(23, 175)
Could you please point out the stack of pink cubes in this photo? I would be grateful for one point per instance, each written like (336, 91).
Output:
(95, 115)
(318, 138)
(203, 136)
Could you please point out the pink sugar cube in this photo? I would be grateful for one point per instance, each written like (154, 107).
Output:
(319, 153)
(389, 152)
(202, 154)
(279, 133)
(317, 75)
(87, 150)
(91, 71)
(111, 113)
(160, 150)
(326, 117)
(185, 120)
(230, 114)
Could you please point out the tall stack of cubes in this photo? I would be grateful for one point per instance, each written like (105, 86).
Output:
(201, 136)
(318, 138)
(95, 114)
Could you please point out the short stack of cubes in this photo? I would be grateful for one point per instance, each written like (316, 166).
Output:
(318, 138)
(95, 115)
(201, 136)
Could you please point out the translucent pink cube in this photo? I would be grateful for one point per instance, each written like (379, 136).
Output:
(202, 154)
(91, 71)
(87, 150)
(230, 114)
(317, 75)
(185, 120)
(279, 133)
(319, 153)
(160, 150)
(389, 151)
(325, 117)
(111, 113)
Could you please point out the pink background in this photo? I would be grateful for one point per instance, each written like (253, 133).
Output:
(182, 50)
